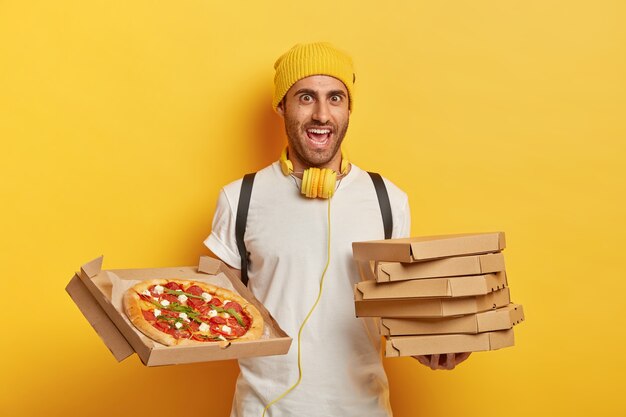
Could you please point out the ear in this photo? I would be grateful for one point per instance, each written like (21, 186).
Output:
(280, 109)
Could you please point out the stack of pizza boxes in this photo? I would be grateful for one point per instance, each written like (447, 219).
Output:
(437, 294)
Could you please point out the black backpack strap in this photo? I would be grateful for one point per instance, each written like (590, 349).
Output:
(383, 201)
(240, 222)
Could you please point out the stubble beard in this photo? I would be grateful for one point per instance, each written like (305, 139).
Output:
(297, 138)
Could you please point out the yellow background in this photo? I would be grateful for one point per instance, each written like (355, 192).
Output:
(121, 120)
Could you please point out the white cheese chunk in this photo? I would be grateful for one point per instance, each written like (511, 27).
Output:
(204, 327)
(182, 298)
(206, 296)
(225, 302)
(165, 303)
(225, 315)
(183, 316)
(226, 329)
(158, 289)
(146, 292)
(212, 313)
(178, 325)
(221, 338)
(157, 312)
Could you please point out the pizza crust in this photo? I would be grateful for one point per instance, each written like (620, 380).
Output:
(133, 305)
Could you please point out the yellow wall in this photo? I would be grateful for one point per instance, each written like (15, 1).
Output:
(120, 121)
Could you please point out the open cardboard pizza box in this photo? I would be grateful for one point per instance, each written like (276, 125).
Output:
(92, 289)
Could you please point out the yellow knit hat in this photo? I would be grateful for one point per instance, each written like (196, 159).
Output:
(304, 60)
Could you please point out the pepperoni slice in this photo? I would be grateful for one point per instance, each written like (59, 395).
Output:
(201, 337)
(203, 309)
(173, 286)
(234, 305)
(169, 297)
(216, 302)
(193, 326)
(195, 303)
(237, 331)
(195, 290)
(182, 334)
(148, 315)
(217, 320)
(169, 313)
(162, 325)
(217, 329)
(246, 320)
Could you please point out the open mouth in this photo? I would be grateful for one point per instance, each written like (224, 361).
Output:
(319, 135)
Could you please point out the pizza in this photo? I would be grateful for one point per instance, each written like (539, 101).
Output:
(178, 312)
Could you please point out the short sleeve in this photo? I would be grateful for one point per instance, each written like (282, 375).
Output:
(402, 221)
(222, 241)
(400, 211)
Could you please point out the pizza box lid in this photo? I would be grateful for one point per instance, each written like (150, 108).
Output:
(430, 307)
(500, 319)
(415, 249)
(434, 287)
(448, 343)
(437, 268)
(92, 288)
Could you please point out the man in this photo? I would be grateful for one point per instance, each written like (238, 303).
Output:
(287, 237)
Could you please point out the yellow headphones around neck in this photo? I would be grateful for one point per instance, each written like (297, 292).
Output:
(316, 182)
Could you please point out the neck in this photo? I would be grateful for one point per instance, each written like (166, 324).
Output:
(299, 166)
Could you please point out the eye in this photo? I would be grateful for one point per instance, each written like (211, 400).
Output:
(306, 98)
(336, 99)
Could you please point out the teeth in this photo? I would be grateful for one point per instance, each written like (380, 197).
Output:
(320, 131)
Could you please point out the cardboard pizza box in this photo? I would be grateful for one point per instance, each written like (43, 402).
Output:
(438, 268)
(448, 343)
(429, 307)
(500, 319)
(433, 287)
(415, 249)
(92, 290)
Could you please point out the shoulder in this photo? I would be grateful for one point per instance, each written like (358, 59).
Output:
(231, 191)
(396, 195)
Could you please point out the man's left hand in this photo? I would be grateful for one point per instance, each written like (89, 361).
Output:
(445, 361)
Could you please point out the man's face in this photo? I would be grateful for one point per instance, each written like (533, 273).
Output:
(316, 113)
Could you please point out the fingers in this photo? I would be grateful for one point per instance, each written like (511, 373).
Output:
(424, 360)
(450, 362)
(460, 357)
(434, 362)
(446, 361)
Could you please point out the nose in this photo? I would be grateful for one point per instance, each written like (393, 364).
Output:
(322, 112)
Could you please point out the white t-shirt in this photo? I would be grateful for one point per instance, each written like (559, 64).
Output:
(286, 236)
